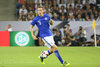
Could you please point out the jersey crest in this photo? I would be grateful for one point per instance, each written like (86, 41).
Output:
(46, 18)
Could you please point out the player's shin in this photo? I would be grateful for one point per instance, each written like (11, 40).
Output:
(49, 52)
(58, 56)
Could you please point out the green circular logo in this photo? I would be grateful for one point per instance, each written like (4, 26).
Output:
(21, 38)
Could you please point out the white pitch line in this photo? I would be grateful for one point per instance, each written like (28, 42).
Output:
(98, 47)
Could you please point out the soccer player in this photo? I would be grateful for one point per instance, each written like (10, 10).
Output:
(42, 21)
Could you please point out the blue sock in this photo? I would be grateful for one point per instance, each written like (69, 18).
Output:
(41, 57)
(58, 56)
(48, 52)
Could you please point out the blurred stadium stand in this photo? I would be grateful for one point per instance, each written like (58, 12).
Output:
(25, 26)
(74, 12)
(7, 10)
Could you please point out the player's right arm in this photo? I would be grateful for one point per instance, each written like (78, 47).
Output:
(31, 29)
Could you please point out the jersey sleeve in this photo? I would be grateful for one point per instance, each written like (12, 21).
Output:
(49, 16)
(33, 22)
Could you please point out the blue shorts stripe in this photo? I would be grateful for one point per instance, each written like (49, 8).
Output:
(47, 42)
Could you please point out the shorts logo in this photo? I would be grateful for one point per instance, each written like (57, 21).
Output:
(21, 38)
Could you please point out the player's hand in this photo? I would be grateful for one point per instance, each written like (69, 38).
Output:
(34, 37)
(51, 21)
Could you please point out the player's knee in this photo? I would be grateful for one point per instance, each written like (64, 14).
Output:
(51, 50)
(55, 47)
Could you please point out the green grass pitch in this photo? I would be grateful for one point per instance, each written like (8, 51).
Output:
(28, 57)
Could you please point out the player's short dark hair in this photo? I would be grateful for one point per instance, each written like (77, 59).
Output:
(41, 7)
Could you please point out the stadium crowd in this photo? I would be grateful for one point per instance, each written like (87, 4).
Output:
(62, 10)
(69, 39)
(59, 10)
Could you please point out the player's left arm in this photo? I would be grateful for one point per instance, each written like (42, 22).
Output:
(51, 21)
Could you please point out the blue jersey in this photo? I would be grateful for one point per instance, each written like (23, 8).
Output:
(43, 25)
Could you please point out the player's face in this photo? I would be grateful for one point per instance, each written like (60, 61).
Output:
(40, 11)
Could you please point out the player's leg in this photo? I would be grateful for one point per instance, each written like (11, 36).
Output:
(49, 42)
(55, 50)
(52, 47)
(50, 51)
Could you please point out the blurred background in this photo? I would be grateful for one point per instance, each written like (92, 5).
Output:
(72, 32)
(72, 27)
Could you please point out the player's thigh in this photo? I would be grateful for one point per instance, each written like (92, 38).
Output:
(51, 48)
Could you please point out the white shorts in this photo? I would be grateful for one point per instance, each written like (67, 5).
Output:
(49, 41)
